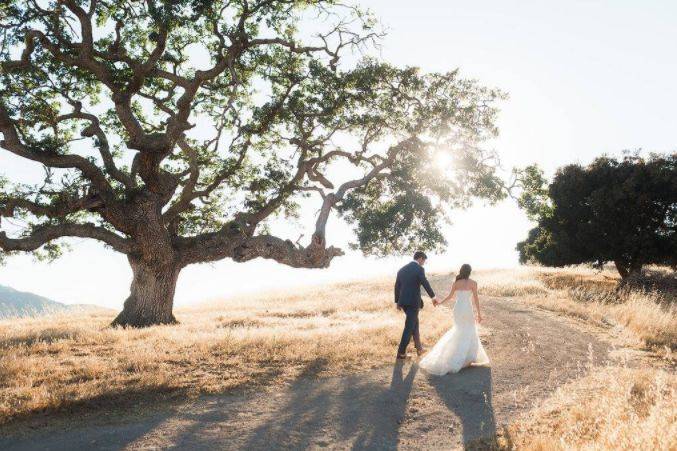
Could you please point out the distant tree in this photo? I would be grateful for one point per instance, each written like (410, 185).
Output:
(105, 97)
(621, 211)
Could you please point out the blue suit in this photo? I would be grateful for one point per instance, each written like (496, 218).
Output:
(410, 279)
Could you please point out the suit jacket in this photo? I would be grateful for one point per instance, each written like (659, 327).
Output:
(410, 278)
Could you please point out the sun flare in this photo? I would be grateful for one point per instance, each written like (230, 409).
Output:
(443, 161)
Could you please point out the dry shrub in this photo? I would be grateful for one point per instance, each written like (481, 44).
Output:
(659, 280)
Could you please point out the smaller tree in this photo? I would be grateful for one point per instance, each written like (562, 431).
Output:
(622, 211)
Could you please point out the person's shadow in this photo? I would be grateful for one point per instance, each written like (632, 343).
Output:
(391, 405)
(468, 395)
(400, 387)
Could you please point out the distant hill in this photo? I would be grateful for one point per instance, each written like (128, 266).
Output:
(19, 304)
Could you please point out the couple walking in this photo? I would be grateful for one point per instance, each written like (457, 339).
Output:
(460, 346)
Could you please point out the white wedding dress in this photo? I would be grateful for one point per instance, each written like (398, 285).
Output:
(460, 346)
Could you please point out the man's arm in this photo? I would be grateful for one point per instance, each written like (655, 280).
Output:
(426, 284)
(397, 288)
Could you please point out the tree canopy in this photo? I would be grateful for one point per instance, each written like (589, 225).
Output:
(621, 211)
(174, 131)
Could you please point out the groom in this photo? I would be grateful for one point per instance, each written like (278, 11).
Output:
(410, 278)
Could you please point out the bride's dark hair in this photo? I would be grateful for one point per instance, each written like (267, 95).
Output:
(464, 272)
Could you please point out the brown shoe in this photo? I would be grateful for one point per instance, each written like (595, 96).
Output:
(420, 351)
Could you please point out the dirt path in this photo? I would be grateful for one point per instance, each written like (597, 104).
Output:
(532, 351)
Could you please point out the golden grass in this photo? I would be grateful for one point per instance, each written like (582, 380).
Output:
(61, 362)
(612, 408)
(650, 318)
(54, 363)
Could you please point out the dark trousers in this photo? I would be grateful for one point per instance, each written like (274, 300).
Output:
(410, 329)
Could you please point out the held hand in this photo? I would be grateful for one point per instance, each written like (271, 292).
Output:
(436, 302)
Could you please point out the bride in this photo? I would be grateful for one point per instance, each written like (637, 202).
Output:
(460, 346)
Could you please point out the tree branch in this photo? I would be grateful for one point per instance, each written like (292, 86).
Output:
(94, 129)
(12, 143)
(43, 235)
(8, 206)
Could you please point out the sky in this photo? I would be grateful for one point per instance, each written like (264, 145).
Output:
(584, 78)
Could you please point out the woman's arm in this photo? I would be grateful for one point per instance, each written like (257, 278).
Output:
(451, 294)
(476, 301)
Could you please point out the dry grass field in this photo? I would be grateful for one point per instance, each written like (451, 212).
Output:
(73, 363)
(648, 317)
(614, 408)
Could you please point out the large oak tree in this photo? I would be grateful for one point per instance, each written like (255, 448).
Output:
(174, 131)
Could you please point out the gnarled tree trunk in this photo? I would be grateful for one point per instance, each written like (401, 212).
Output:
(627, 269)
(152, 294)
(622, 269)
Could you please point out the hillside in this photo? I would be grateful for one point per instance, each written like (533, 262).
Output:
(314, 368)
(21, 304)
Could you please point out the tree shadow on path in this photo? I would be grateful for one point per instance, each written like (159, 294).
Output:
(354, 412)
(108, 433)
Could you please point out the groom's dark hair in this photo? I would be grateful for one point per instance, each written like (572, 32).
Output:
(420, 254)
